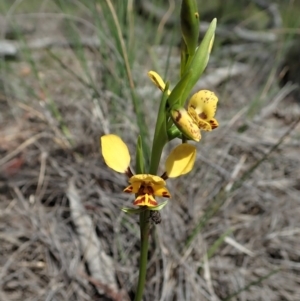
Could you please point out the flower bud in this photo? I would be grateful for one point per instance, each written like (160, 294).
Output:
(190, 24)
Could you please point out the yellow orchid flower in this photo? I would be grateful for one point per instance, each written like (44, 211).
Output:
(201, 107)
(145, 186)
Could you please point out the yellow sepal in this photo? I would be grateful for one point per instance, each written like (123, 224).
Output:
(147, 178)
(181, 160)
(115, 153)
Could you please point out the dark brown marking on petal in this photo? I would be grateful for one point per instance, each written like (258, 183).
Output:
(141, 190)
(157, 83)
(139, 200)
(165, 194)
(178, 117)
(152, 202)
(213, 124)
(128, 189)
(150, 190)
(202, 115)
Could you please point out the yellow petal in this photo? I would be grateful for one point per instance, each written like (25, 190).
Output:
(147, 179)
(158, 81)
(204, 103)
(115, 153)
(181, 160)
(201, 123)
(145, 200)
(160, 190)
(186, 124)
(134, 188)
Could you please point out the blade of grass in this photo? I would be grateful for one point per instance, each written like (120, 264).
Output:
(70, 71)
(216, 245)
(216, 204)
(252, 283)
(136, 104)
(74, 36)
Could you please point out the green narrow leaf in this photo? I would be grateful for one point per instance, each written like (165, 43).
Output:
(216, 245)
(255, 282)
(177, 93)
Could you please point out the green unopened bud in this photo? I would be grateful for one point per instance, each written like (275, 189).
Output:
(184, 56)
(190, 24)
(185, 124)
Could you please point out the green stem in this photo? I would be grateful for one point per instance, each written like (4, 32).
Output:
(145, 229)
(155, 157)
(159, 140)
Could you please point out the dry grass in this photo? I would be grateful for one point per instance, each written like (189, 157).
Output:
(41, 258)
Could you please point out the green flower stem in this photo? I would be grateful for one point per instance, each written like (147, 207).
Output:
(144, 230)
(155, 159)
(159, 141)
